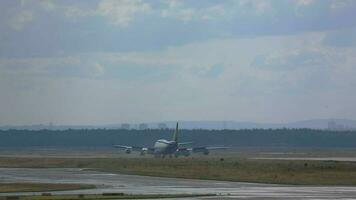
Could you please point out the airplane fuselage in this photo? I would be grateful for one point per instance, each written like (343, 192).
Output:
(163, 147)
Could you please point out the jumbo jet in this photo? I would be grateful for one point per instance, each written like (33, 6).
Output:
(163, 147)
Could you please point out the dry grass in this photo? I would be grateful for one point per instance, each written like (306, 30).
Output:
(103, 197)
(230, 169)
(40, 187)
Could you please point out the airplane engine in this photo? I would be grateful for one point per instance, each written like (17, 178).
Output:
(206, 152)
(128, 151)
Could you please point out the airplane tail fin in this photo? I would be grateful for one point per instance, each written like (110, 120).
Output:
(175, 136)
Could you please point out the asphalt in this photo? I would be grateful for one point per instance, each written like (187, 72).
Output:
(107, 182)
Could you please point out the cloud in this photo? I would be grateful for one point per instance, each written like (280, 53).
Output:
(124, 26)
(186, 13)
(15, 15)
(304, 2)
(119, 13)
(259, 7)
(44, 67)
(21, 19)
(93, 66)
(213, 71)
(290, 60)
(341, 38)
(249, 60)
(340, 4)
(122, 12)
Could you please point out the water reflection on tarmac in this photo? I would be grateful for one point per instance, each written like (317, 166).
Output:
(107, 182)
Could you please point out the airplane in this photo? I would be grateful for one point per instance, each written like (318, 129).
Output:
(163, 147)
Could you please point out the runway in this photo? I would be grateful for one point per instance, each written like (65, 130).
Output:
(107, 182)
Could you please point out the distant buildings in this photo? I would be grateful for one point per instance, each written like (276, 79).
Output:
(125, 126)
(162, 126)
(333, 126)
(50, 126)
(142, 126)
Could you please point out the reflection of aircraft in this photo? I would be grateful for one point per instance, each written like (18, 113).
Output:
(164, 147)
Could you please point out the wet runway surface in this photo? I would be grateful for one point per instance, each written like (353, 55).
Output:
(107, 182)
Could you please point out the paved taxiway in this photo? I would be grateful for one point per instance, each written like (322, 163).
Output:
(107, 182)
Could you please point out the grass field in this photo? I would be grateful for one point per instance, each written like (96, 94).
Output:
(229, 169)
(104, 196)
(40, 187)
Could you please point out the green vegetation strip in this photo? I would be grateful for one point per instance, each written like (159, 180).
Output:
(40, 187)
(47, 196)
(228, 169)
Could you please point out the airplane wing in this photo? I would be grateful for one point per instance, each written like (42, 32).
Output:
(216, 148)
(205, 150)
(129, 149)
(184, 143)
(133, 148)
(122, 146)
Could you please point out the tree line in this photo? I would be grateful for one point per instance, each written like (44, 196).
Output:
(234, 138)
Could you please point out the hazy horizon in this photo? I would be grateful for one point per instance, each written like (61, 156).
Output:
(348, 124)
(94, 62)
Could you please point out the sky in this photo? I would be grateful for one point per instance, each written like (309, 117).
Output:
(91, 62)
